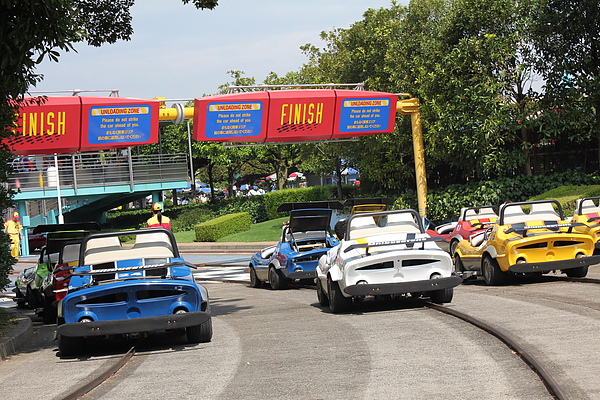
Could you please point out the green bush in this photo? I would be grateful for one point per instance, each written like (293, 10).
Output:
(261, 208)
(190, 217)
(253, 205)
(126, 219)
(313, 193)
(222, 226)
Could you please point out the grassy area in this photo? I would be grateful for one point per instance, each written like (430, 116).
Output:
(185, 237)
(8, 322)
(268, 231)
(567, 195)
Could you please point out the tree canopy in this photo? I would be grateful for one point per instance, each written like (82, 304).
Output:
(33, 30)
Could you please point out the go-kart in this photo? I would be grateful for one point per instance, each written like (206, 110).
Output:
(304, 239)
(587, 211)
(29, 282)
(384, 253)
(122, 290)
(529, 238)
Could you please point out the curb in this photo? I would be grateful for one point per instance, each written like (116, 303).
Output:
(15, 340)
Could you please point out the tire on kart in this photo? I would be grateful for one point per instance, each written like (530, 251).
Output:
(277, 280)
(31, 298)
(50, 312)
(492, 274)
(579, 272)
(458, 264)
(442, 295)
(321, 295)
(200, 333)
(70, 346)
(19, 294)
(452, 247)
(254, 281)
(337, 301)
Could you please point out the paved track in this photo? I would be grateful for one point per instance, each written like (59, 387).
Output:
(281, 344)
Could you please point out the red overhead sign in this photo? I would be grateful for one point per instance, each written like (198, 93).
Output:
(293, 115)
(69, 124)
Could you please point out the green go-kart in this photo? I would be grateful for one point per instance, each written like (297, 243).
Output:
(28, 285)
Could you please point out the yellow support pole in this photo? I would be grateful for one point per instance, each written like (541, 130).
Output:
(411, 106)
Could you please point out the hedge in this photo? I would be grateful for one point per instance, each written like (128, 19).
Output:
(313, 193)
(217, 228)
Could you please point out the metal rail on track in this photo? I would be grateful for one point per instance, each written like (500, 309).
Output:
(77, 393)
(553, 387)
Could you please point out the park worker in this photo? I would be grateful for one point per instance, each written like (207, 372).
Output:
(158, 220)
(13, 227)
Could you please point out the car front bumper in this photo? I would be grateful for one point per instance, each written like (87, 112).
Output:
(548, 266)
(403, 287)
(134, 325)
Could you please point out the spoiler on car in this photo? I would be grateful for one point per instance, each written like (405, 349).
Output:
(133, 268)
(71, 226)
(394, 242)
(330, 204)
(368, 200)
(521, 228)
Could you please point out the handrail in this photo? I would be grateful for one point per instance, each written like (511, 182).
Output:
(95, 169)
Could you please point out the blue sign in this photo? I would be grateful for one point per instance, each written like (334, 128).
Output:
(365, 115)
(119, 124)
(233, 119)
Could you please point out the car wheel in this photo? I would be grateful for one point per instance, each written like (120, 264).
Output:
(321, 295)
(200, 333)
(337, 301)
(254, 281)
(19, 295)
(453, 245)
(492, 274)
(30, 298)
(579, 272)
(277, 280)
(50, 312)
(70, 346)
(458, 265)
(443, 295)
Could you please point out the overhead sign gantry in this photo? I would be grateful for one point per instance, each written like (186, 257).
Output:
(84, 123)
(293, 115)
(81, 123)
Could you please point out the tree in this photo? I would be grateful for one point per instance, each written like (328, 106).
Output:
(567, 39)
(33, 30)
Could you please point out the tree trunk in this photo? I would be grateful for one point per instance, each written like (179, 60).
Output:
(597, 106)
(338, 171)
(281, 176)
(231, 180)
(211, 184)
(526, 151)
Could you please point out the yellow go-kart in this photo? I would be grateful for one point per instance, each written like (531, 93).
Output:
(529, 238)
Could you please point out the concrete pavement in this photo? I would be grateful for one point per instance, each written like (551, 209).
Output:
(215, 261)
